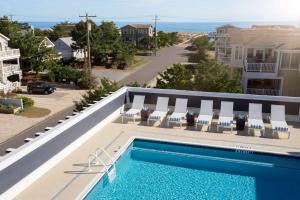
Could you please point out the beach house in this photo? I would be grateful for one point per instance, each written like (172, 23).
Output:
(268, 55)
(10, 73)
(63, 46)
(134, 33)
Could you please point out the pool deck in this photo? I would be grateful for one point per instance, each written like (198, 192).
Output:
(70, 177)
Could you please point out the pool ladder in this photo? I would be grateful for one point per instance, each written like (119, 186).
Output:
(111, 172)
(244, 149)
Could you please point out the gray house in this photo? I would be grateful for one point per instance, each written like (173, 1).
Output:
(134, 33)
(63, 46)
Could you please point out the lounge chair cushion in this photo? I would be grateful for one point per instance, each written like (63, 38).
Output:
(255, 124)
(157, 115)
(204, 119)
(280, 126)
(177, 117)
(132, 112)
(225, 121)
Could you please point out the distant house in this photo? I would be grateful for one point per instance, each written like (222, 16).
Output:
(63, 46)
(134, 33)
(268, 55)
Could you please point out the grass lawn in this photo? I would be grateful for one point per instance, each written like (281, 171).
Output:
(34, 112)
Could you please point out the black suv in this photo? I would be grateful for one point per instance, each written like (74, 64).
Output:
(40, 87)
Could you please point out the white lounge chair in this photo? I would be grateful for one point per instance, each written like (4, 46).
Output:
(136, 108)
(255, 120)
(206, 114)
(179, 114)
(277, 119)
(226, 116)
(161, 110)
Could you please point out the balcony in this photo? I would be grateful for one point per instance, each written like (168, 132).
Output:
(260, 67)
(9, 54)
(270, 92)
(9, 70)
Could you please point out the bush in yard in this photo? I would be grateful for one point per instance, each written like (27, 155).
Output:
(27, 102)
(7, 109)
(102, 90)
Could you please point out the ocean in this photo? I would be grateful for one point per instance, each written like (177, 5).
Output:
(204, 27)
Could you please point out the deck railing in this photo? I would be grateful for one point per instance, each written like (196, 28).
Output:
(260, 67)
(9, 53)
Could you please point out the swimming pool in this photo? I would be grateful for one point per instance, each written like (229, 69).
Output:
(160, 170)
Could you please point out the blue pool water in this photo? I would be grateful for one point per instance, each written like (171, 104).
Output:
(157, 170)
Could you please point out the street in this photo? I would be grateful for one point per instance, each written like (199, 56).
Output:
(164, 59)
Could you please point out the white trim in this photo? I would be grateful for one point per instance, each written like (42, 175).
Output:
(22, 151)
(36, 174)
(216, 94)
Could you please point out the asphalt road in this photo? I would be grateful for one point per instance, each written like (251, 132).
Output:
(164, 59)
(18, 140)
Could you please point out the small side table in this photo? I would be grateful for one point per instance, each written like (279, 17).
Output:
(240, 122)
(145, 113)
(190, 119)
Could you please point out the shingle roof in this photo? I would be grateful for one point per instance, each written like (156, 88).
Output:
(283, 37)
(67, 40)
(139, 25)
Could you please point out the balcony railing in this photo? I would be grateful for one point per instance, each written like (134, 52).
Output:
(260, 67)
(270, 92)
(9, 53)
(9, 70)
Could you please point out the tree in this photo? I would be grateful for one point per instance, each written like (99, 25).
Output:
(203, 45)
(215, 77)
(9, 28)
(34, 54)
(176, 77)
(209, 76)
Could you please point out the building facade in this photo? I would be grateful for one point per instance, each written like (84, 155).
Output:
(10, 72)
(268, 55)
(63, 46)
(135, 33)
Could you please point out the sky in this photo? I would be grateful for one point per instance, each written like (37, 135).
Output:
(144, 10)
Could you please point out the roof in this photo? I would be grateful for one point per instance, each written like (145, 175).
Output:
(67, 40)
(4, 37)
(137, 26)
(283, 37)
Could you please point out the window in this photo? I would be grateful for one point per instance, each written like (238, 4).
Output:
(238, 53)
(250, 53)
(285, 61)
(295, 60)
(290, 61)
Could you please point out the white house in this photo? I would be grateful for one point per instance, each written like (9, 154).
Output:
(63, 46)
(10, 72)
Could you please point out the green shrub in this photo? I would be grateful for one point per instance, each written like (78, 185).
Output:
(7, 109)
(27, 102)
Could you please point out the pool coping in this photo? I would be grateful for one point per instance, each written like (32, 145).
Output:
(118, 155)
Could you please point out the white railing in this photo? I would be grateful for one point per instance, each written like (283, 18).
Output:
(260, 67)
(270, 92)
(9, 53)
(10, 68)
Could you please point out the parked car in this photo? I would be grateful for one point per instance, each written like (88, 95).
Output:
(40, 88)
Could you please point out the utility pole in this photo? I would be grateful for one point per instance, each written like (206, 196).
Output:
(88, 66)
(155, 32)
